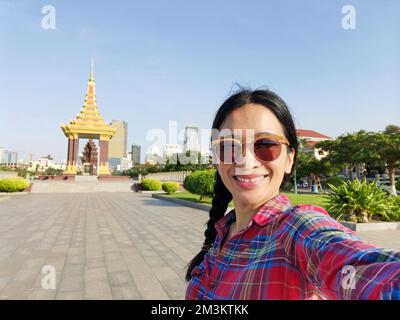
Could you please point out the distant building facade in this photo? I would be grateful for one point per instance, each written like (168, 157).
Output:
(8, 157)
(310, 139)
(135, 154)
(154, 156)
(171, 150)
(44, 163)
(119, 142)
(191, 139)
(120, 164)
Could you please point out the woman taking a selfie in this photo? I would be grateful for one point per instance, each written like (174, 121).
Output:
(266, 248)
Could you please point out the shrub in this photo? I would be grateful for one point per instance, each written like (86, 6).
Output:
(13, 184)
(22, 173)
(398, 184)
(394, 213)
(189, 182)
(200, 182)
(53, 172)
(151, 184)
(335, 181)
(170, 187)
(358, 201)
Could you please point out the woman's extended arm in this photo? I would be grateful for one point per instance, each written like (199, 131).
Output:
(337, 262)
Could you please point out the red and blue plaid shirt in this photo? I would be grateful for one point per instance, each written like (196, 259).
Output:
(295, 252)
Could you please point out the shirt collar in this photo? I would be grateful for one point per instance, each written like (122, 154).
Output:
(273, 207)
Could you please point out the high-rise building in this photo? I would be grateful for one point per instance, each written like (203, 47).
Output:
(191, 139)
(119, 142)
(2, 155)
(8, 157)
(135, 151)
(13, 157)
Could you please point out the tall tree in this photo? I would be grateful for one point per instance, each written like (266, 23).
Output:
(309, 166)
(387, 145)
(349, 150)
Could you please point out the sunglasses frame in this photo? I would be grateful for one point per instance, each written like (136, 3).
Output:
(274, 137)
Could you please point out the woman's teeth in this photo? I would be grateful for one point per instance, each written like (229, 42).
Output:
(250, 180)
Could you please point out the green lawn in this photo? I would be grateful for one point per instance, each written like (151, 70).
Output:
(316, 199)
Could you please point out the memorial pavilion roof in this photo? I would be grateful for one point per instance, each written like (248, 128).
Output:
(88, 120)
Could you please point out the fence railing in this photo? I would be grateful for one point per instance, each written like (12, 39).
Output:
(177, 176)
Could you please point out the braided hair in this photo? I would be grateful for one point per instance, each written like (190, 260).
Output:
(219, 204)
(222, 195)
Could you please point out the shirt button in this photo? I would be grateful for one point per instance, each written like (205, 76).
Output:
(212, 284)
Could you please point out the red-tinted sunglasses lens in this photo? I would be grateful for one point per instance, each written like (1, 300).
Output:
(266, 149)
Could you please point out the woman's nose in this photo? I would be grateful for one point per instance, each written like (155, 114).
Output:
(247, 158)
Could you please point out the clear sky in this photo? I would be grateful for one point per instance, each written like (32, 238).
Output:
(177, 60)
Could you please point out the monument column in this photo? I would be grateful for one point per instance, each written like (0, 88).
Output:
(69, 154)
(72, 145)
(103, 144)
(75, 152)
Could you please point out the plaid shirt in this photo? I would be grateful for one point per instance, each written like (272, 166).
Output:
(295, 252)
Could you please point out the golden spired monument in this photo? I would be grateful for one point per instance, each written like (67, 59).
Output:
(88, 124)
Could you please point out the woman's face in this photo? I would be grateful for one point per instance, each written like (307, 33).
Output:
(268, 175)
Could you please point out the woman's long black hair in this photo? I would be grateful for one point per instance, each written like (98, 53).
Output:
(222, 196)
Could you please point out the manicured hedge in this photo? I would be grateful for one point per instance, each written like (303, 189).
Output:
(170, 187)
(13, 184)
(201, 182)
(151, 184)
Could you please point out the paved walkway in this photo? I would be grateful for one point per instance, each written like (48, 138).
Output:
(103, 245)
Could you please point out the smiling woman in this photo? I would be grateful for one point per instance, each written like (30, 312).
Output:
(266, 248)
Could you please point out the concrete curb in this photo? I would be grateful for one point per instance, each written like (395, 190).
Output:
(151, 192)
(371, 226)
(22, 193)
(194, 205)
(154, 192)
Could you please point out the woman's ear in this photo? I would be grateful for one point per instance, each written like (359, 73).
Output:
(290, 161)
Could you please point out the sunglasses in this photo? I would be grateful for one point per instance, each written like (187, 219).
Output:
(266, 147)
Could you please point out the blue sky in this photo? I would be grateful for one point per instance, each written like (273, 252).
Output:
(178, 60)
